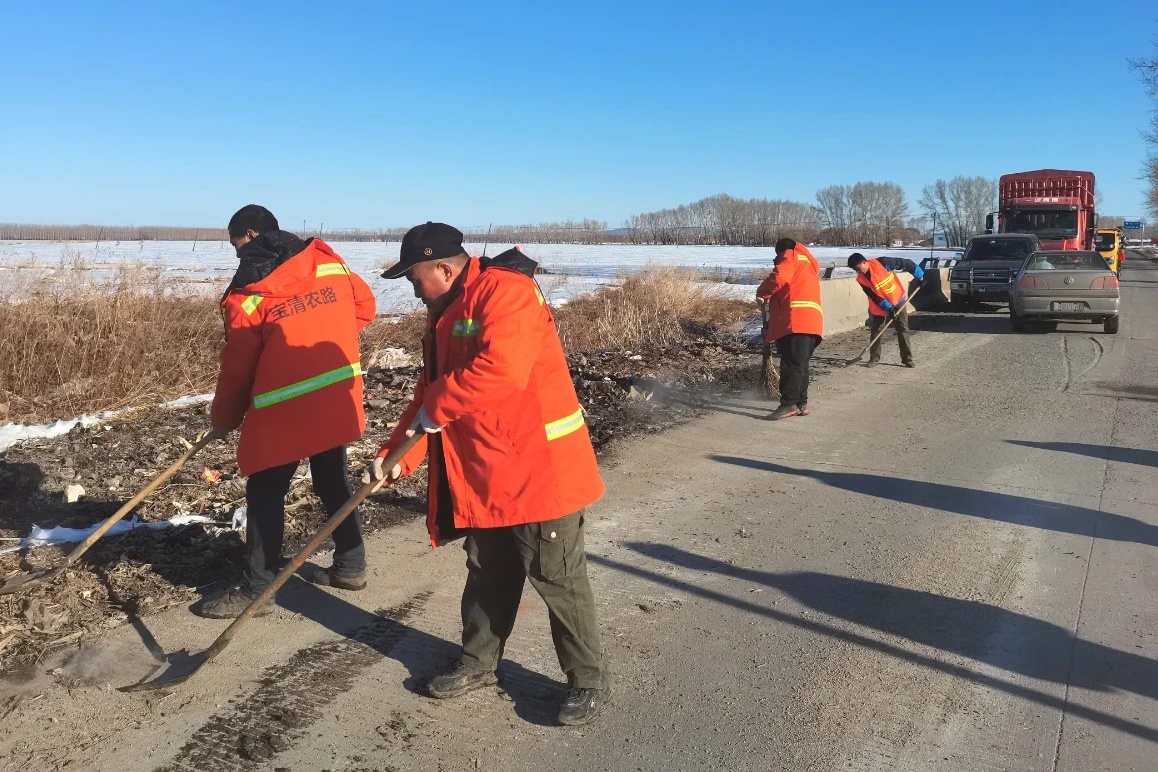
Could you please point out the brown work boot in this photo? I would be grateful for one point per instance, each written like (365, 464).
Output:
(230, 603)
(336, 577)
(458, 680)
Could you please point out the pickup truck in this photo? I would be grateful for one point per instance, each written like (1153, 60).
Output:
(983, 273)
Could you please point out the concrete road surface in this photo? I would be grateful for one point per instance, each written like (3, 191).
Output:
(946, 568)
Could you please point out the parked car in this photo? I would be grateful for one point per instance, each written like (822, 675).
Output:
(984, 271)
(1064, 286)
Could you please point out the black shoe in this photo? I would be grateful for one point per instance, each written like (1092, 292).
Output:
(342, 579)
(784, 411)
(459, 680)
(909, 363)
(582, 706)
(872, 363)
(230, 604)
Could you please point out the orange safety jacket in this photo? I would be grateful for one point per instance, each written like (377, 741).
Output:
(793, 294)
(291, 376)
(882, 283)
(515, 447)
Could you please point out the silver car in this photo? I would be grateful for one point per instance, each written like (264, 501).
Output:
(1064, 286)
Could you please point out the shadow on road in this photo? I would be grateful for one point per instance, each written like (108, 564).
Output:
(1001, 507)
(986, 634)
(535, 696)
(1104, 452)
(995, 322)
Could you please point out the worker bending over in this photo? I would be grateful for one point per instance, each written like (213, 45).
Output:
(887, 298)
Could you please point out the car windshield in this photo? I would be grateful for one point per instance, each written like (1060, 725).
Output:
(1044, 223)
(998, 249)
(1104, 242)
(1066, 261)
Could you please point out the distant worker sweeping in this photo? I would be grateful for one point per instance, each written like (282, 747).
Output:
(887, 299)
(795, 322)
(291, 378)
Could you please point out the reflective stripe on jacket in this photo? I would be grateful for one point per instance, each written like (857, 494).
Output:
(290, 369)
(882, 283)
(515, 448)
(793, 294)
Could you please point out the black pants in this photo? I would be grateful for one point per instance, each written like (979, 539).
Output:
(551, 555)
(795, 353)
(265, 516)
(901, 325)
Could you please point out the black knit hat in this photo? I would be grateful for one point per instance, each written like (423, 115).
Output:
(430, 241)
(855, 259)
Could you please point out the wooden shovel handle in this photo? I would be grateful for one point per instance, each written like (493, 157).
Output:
(394, 457)
(131, 504)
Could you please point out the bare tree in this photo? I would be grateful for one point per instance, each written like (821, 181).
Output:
(1147, 70)
(861, 214)
(960, 204)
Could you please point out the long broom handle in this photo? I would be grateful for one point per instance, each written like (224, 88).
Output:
(129, 505)
(394, 457)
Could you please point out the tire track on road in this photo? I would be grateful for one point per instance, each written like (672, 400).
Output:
(292, 697)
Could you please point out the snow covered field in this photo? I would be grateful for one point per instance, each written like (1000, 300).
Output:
(573, 268)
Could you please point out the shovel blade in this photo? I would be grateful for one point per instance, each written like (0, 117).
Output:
(25, 581)
(177, 668)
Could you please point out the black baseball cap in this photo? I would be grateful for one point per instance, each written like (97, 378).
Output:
(855, 259)
(431, 241)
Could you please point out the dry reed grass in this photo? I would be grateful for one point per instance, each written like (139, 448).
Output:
(404, 332)
(652, 308)
(78, 341)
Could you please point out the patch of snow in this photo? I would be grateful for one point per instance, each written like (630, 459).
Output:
(10, 434)
(574, 269)
(42, 537)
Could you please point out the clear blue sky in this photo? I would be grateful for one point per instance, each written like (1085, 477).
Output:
(391, 113)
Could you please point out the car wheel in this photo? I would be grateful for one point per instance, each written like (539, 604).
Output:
(1016, 322)
(1111, 325)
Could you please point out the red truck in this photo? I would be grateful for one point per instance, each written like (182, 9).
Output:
(1055, 205)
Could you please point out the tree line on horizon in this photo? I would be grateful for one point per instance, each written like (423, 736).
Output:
(868, 214)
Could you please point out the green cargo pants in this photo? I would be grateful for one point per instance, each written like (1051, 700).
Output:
(551, 555)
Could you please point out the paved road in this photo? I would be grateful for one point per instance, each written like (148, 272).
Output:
(944, 568)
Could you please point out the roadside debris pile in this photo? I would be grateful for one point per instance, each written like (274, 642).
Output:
(80, 478)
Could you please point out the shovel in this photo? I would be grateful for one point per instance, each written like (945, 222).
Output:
(183, 665)
(859, 356)
(34, 578)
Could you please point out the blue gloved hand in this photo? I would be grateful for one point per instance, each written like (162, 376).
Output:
(919, 276)
(885, 304)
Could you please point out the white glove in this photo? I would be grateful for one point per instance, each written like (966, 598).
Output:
(376, 472)
(422, 421)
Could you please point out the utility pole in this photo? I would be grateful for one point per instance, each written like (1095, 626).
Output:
(933, 235)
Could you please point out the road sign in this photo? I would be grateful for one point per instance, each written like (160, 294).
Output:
(1132, 225)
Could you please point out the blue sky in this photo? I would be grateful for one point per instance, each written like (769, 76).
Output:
(388, 113)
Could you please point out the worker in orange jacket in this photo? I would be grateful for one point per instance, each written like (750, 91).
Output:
(291, 378)
(795, 322)
(511, 466)
(887, 298)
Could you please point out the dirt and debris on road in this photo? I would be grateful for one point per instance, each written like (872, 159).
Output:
(145, 571)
